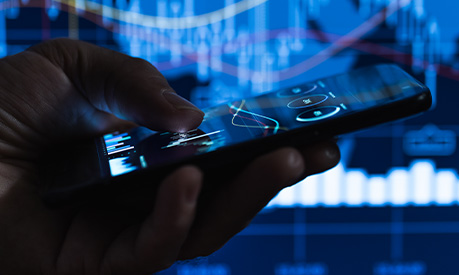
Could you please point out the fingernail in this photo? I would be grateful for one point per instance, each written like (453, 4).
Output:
(180, 103)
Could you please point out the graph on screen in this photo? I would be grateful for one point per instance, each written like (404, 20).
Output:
(389, 207)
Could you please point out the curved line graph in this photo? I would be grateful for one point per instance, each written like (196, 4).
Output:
(165, 23)
(339, 43)
(239, 109)
(264, 126)
(345, 41)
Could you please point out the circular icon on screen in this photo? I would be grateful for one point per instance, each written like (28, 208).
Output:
(306, 101)
(303, 89)
(318, 114)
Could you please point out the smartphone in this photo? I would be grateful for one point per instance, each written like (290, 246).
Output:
(235, 132)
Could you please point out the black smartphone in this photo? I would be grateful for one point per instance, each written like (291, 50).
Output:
(236, 132)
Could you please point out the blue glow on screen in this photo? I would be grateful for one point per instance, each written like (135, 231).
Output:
(391, 206)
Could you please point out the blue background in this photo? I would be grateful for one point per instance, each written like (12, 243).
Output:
(213, 51)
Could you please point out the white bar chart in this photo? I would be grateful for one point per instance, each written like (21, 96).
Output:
(421, 184)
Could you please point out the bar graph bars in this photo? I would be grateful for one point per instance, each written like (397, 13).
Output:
(421, 184)
(119, 163)
(119, 166)
(116, 143)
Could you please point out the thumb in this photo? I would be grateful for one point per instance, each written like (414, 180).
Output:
(128, 88)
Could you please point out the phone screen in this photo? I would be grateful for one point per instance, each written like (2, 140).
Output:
(248, 119)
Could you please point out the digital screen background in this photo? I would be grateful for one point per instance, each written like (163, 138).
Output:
(391, 205)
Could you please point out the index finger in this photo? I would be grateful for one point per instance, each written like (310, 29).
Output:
(129, 88)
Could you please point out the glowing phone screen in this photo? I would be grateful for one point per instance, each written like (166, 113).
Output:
(253, 118)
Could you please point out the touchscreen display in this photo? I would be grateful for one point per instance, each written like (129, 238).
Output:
(253, 118)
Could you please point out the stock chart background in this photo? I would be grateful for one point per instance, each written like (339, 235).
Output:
(391, 206)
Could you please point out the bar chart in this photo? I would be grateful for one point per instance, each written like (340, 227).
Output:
(418, 185)
(117, 143)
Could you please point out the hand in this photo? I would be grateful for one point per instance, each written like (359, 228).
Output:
(65, 90)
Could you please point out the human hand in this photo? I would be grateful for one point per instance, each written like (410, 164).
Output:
(67, 90)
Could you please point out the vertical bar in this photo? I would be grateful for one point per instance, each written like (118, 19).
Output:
(107, 12)
(377, 190)
(399, 187)
(355, 183)
(422, 173)
(332, 182)
(396, 247)
(73, 20)
(299, 231)
(445, 185)
(309, 191)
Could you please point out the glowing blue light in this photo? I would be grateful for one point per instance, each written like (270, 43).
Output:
(118, 166)
(419, 185)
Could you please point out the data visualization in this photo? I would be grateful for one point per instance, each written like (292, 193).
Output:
(347, 102)
(390, 207)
